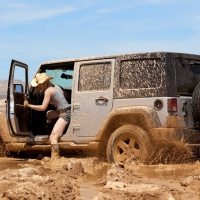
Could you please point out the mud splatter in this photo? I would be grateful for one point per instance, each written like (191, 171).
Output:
(170, 152)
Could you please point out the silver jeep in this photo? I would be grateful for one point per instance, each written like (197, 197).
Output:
(120, 104)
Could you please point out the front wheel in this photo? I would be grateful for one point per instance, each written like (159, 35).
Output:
(128, 142)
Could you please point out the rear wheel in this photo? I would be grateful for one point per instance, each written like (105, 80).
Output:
(128, 142)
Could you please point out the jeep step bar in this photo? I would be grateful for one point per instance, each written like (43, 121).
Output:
(21, 147)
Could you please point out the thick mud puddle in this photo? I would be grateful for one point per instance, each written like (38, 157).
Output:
(167, 171)
(87, 187)
(88, 190)
(15, 163)
(150, 171)
(90, 179)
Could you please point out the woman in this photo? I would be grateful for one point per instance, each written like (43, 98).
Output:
(54, 95)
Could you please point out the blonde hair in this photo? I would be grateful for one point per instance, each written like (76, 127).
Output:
(44, 86)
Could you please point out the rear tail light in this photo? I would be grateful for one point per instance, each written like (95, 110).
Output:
(172, 105)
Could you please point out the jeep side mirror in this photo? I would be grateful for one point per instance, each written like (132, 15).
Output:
(18, 88)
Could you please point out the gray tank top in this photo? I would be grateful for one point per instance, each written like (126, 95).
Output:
(58, 99)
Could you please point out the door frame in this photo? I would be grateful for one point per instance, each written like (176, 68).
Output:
(10, 97)
(76, 105)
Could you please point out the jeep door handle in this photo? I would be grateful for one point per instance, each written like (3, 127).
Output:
(76, 106)
(101, 100)
(76, 126)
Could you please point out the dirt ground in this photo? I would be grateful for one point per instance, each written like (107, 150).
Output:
(88, 178)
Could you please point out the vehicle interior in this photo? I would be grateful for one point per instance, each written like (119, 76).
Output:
(35, 121)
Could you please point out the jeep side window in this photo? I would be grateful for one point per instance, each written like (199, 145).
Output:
(95, 77)
(63, 78)
(138, 74)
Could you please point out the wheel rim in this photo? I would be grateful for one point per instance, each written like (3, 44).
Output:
(126, 147)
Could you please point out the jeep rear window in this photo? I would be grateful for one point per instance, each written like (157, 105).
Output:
(187, 76)
(95, 77)
(140, 74)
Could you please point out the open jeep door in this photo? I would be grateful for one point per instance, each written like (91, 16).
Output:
(18, 116)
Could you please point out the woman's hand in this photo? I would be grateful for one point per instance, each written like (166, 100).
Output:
(26, 104)
(47, 95)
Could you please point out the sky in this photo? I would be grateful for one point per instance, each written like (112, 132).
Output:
(37, 31)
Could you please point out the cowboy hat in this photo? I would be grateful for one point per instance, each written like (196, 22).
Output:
(40, 78)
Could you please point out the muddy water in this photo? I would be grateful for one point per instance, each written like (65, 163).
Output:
(15, 163)
(88, 190)
(87, 187)
(150, 171)
(172, 171)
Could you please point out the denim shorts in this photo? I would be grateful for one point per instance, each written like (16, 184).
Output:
(66, 116)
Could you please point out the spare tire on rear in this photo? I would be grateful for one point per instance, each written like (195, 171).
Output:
(196, 106)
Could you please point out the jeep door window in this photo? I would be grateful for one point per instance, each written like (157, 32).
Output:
(95, 77)
(19, 79)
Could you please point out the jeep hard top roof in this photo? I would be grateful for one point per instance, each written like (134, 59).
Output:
(136, 55)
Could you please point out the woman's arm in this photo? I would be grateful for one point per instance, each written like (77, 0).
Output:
(47, 96)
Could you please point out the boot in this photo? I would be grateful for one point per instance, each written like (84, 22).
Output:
(55, 151)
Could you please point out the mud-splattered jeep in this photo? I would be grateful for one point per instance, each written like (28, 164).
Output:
(119, 104)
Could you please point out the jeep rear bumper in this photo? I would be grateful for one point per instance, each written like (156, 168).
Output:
(190, 137)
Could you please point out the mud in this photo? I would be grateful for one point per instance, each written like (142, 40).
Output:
(170, 152)
(173, 173)
(2, 102)
(163, 182)
(90, 179)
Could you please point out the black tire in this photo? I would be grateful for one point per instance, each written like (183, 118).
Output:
(128, 141)
(196, 106)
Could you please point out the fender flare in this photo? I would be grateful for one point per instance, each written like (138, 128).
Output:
(146, 113)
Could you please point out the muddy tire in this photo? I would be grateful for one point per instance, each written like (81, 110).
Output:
(128, 142)
(196, 106)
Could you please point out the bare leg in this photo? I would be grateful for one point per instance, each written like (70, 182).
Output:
(51, 114)
(57, 131)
